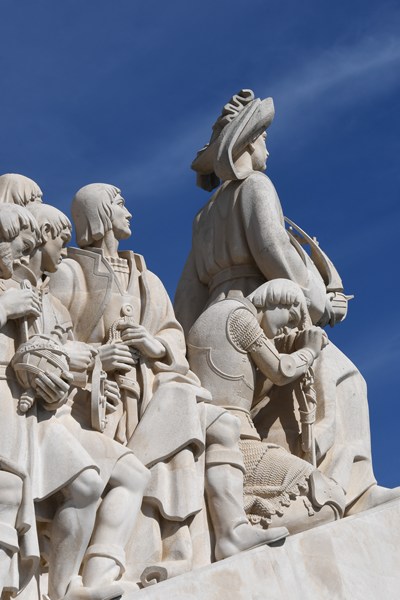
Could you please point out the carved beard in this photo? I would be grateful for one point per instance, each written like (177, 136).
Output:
(6, 261)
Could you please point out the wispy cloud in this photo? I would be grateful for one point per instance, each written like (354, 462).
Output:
(340, 76)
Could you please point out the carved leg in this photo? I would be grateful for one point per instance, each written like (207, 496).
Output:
(224, 492)
(224, 488)
(105, 558)
(71, 530)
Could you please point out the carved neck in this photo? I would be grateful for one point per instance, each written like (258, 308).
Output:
(243, 164)
(35, 264)
(108, 244)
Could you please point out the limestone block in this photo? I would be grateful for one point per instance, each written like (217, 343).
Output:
(355, 558)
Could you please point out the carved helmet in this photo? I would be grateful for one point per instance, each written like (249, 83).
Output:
(242, 120)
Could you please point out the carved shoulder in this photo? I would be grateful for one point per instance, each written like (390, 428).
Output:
(243, 329)
(66, 280)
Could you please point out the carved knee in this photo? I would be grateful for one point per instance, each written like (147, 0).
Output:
(86, 488)
(225, 431)
(222, 442)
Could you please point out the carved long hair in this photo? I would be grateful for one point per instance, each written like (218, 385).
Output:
(91, 212)
(18, 189)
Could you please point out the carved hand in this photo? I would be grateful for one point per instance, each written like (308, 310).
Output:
(138, 337)
(20, 303)
(116, 357)
(81, 356)
(112, 394)
(313, 338)
(52, 388)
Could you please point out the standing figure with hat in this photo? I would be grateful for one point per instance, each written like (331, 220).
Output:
(239, 241)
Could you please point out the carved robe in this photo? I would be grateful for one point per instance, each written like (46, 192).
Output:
(170, 419)
(239, 241)
(167, 419)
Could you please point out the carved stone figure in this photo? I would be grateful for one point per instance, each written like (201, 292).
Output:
(19, 551)
(240, 241)
(227, 346)
(18, 189)
(121, 464)
(96, 466)
(160, 419)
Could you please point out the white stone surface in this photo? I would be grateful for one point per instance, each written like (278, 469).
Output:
(121, 464)
(352, 559)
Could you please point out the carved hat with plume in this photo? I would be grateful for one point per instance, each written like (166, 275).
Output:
(242, 120)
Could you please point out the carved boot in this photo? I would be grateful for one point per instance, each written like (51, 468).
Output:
(77, 591)
(322, 503)
(233, 532)
(106, 564)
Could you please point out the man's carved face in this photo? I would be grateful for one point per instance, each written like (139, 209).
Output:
(54, 250)
(11, 252)
(260, 153)
(120, 218)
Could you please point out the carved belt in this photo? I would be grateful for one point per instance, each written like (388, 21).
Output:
(235, 272)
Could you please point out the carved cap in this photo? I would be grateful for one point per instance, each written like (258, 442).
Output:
(242, 120)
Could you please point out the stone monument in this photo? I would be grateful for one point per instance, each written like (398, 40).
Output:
(205, 452)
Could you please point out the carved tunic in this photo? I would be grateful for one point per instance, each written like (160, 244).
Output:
(239, 242)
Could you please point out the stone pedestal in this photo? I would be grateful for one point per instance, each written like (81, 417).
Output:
(357, 558)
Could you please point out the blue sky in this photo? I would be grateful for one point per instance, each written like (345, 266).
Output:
(125, 92)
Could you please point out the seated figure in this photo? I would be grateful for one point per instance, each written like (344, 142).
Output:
(122, 309)
(72, 467)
